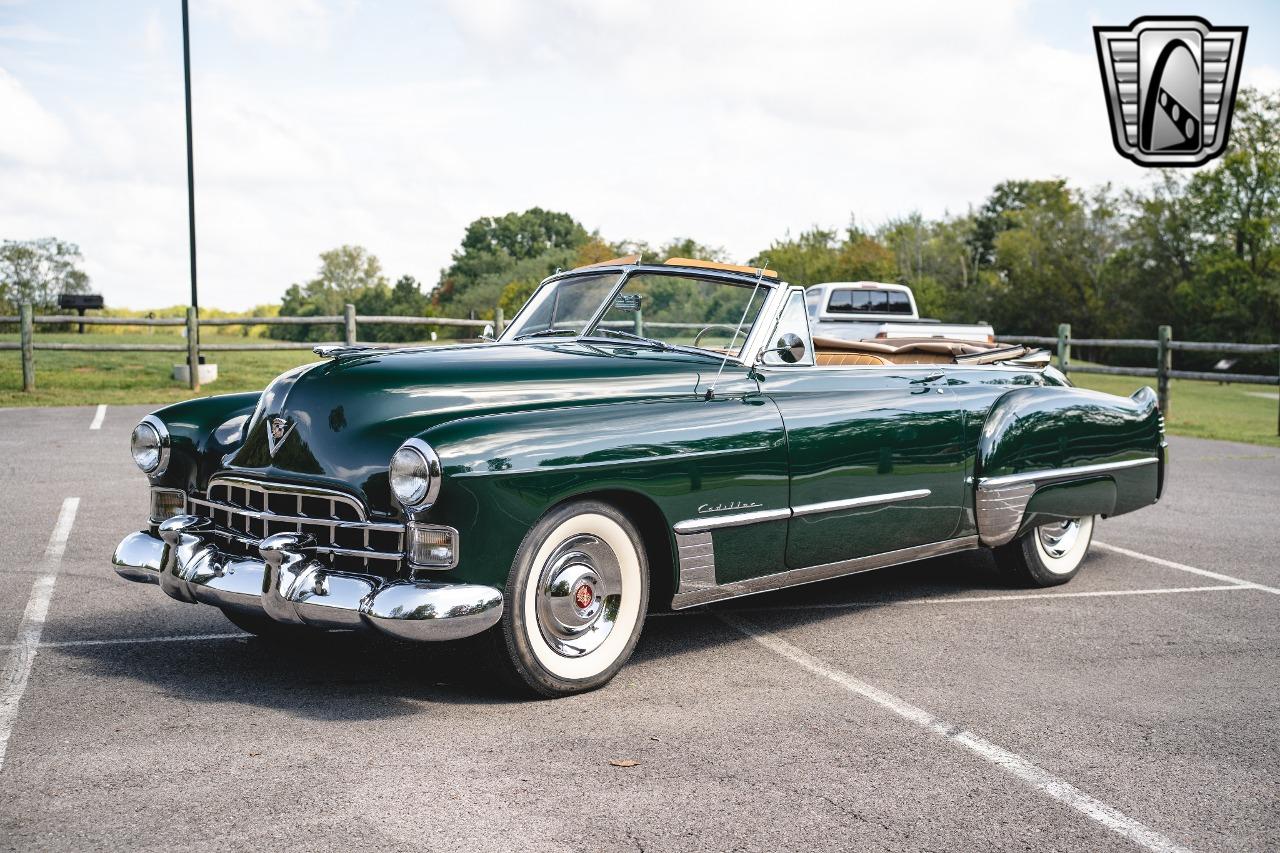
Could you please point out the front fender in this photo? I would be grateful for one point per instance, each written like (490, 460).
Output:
(202, 432)
(1048, 453)
(503, 471)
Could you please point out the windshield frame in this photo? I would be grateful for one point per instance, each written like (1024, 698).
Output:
(765, 318)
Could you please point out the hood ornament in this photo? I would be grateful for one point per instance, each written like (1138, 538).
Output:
(278, 430)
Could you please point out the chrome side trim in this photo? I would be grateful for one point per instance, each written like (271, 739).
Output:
(1062, 473)
(699, 525)
(810, 574)
(999, 511)
(868, 500)
(1000, 503)
(697, 556)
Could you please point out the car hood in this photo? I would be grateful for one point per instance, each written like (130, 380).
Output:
(342, 419)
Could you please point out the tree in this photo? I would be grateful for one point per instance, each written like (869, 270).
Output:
(1202, 251)
(1236, 207)
(996, 213)
(1052, 255)
(819, 255)
(38, 271)
(515, 247)
(345, 275)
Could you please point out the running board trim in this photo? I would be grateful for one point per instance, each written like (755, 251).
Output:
(825, 571)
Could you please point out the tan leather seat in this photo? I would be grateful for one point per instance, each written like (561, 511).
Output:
(846, 359)
(837, 352)
(920, 358)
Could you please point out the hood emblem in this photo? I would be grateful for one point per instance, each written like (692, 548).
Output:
(278, 430)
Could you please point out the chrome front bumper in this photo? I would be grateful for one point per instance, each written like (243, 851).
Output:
(290, 586)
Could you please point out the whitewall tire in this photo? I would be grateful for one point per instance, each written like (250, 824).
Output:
(1050, 554)
(575, 599)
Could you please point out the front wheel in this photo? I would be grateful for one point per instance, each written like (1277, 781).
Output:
(575, 600)
(1048, 555)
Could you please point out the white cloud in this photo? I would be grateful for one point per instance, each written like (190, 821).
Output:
(29, 133)
(728, 122)
(290, 22)
(32, 34)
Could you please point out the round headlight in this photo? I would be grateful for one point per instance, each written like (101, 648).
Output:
(150, 445)
(414, 474)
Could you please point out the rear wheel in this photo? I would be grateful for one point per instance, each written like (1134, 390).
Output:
(575, 600)
(262, 625)
(1048, 555)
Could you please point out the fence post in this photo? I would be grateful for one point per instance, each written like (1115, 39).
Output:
(349, 323)
(193, 349)
(1064, 346)
(1164, 363)
(28, 348)
(499, 321)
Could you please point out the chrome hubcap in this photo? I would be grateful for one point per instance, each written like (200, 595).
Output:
(579, 590)
(1059, 538)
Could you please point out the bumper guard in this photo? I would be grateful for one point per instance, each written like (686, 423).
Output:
(290, 586)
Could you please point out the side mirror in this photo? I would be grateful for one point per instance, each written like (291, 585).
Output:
(790, 348)
(486, 334)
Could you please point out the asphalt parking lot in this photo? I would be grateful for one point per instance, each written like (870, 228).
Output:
(927, 707)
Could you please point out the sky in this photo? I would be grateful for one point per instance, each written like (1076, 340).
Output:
(394, 124)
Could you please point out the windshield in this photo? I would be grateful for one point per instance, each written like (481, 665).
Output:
(562, 307)
(662, 309)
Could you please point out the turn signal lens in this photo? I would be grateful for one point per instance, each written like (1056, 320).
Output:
(432, 547)
(166, 503)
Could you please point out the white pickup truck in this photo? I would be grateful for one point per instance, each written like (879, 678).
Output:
(870, 310)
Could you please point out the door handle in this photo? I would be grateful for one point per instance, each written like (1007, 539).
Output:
(928, 377)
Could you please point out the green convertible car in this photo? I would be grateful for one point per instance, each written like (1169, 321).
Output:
(641, 435)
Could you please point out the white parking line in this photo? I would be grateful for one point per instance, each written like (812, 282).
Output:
(124, 641)
(966, 599)
(101, 413)
(1017, 766)
(13, 680)
(1182, 567)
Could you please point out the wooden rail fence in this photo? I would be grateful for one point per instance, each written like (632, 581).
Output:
(1164, 346)
(348, 321)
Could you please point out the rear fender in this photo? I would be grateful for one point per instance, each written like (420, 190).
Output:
(1049, 453)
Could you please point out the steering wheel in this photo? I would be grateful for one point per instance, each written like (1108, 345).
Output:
(706, 329)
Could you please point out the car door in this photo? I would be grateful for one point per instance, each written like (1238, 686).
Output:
(876, 459)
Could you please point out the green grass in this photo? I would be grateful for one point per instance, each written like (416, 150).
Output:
(1205, 409)
(122, 378)
(1201, 409)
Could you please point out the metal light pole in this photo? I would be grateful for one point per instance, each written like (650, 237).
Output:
(193, 345)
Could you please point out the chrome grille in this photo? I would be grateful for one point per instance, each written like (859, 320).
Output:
(250, 510)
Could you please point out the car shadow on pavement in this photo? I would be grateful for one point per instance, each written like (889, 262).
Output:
(354, 676)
